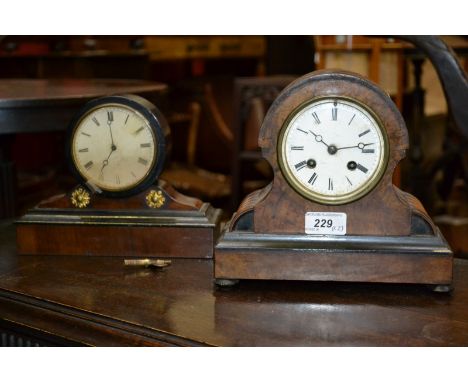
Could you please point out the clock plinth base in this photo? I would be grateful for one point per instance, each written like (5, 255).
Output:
(416, 259)
(181, 227)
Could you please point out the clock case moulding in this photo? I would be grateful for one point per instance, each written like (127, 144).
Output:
(152, 221)
(390, 238)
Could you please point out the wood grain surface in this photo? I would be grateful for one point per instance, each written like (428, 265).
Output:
(381, 211)
(96, 301)
(182, 226)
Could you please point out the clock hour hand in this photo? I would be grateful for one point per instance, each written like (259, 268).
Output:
(105, 162)
(318, 138)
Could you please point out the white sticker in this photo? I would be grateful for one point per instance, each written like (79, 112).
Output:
(325, 223)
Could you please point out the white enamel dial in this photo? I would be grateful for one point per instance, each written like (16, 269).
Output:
(333, 151)
(113, 147)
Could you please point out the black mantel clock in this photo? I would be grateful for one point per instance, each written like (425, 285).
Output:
(332, 213)
(116, 148)
(117, 145)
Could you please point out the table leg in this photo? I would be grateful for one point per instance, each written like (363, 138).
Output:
(7, 180)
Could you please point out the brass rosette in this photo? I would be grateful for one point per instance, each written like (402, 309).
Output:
(80, 198)
(155, 199)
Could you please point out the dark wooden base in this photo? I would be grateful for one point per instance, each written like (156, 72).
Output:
(183, 228)
(419, 259)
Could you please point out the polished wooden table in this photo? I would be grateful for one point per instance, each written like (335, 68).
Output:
(96, 301)
(37, 105)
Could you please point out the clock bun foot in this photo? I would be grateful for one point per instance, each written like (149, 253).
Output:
(226, 283)
(441, 288)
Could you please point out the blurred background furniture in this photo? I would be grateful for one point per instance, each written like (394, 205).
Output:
(252, 98)
(186, 176)
(203, 74)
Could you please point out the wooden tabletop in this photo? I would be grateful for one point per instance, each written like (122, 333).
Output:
(29, 92)
(96, 301)
(36, 105)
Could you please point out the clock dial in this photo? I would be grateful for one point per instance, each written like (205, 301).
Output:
(333, 150)
(113, 147)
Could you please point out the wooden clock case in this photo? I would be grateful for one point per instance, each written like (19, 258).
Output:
(151, 220)
(182, 227)
(390, 238)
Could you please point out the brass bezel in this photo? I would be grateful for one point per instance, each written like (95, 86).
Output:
(327, 199)
(75, 163)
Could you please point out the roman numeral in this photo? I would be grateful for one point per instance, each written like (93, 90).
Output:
(313, 178)
(364, 133)
(86, 134)
(110, 115)
(89, 165)
(143, 145)
(96, 121)
(349, 123)
(117, 179)
(138, 131)
(126, 119)
(334, 114)
(83, 150)
(330, 184)
(368, 151)
(297, 147)
(300, 165)
(133, 174)
(362, 168)
(302, 130)
(142, 161)
(349, 181)
(317, 120)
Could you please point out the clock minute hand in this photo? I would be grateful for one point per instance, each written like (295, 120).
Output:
(109, 123)
(347, 147)
(360, 146)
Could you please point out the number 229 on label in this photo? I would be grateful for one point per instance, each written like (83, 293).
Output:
(325, 223)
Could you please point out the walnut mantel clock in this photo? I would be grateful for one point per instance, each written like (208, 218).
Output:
(331, 212)
(117, 147)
